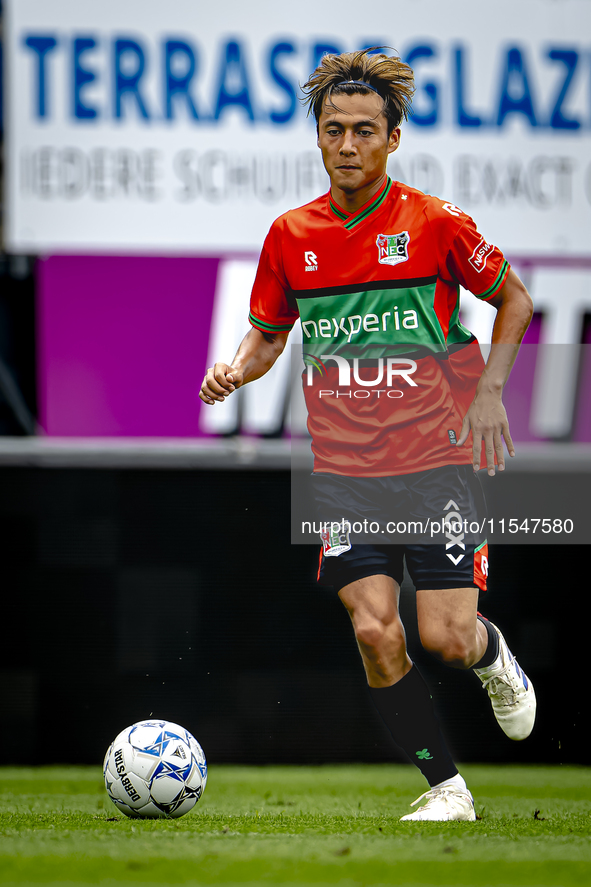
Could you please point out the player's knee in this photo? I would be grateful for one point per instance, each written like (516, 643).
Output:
(378, 637)
(370, 633)
(451, 648)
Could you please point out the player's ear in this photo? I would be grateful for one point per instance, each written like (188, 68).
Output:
(394, 140)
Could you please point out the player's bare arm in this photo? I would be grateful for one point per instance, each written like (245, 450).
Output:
(487, 416)
(256, 355)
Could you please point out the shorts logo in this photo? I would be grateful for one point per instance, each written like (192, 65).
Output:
(311, 260)
(480, 255)
(393, 248)
(453, 523)
(335, 539)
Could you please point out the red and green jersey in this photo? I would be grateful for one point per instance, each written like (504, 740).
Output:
(377, 292)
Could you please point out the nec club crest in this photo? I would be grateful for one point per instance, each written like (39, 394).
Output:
(335, 538)
(393, 248)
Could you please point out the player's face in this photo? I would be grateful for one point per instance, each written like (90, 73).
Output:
(354, 141)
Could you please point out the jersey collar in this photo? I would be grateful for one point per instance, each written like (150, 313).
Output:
(350, 220)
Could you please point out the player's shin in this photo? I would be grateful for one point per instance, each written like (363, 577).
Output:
(407, 711)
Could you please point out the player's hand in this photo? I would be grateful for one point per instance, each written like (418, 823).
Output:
(487, 418)
(219, 381)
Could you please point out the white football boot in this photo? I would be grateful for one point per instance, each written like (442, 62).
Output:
(443, 804)
(510, 691)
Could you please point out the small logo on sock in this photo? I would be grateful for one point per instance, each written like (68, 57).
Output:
(424, 755)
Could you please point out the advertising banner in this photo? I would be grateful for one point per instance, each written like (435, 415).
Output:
(150, 146)
(178, 127)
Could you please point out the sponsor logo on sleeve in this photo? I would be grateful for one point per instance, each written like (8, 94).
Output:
(480, 255)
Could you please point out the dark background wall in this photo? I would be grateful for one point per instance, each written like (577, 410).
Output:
(177, 594)
(18, 364)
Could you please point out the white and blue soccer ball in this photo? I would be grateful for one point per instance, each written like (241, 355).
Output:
(155, 770)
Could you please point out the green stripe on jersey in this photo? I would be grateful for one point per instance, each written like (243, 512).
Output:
(350, 221)
(269, 327)
(370, 209)
(491, 290)
(337, 211)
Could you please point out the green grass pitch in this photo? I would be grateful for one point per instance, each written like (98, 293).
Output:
(300, 826)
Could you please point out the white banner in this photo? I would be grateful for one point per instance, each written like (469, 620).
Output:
(139, 125)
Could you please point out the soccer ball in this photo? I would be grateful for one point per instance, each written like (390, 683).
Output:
(155, 770)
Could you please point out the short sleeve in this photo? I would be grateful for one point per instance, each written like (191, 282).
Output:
(270, 310)
(477, 265)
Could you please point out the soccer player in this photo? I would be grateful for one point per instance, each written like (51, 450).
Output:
(373, 269)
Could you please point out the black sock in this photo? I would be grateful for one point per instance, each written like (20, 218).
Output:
(407, 711)
(492, 650)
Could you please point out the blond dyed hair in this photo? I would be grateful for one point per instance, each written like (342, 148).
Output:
(389, 76)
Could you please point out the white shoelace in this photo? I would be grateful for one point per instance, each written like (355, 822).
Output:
(503, 684)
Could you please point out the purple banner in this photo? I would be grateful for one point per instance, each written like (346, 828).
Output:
(123, 344)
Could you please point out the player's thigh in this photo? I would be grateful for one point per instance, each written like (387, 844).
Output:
(353, 561)
(372, 604)
(372, 598)
(455, 555)
(367, 579)
(446, 614)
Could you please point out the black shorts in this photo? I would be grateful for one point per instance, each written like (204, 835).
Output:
(435, 520)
